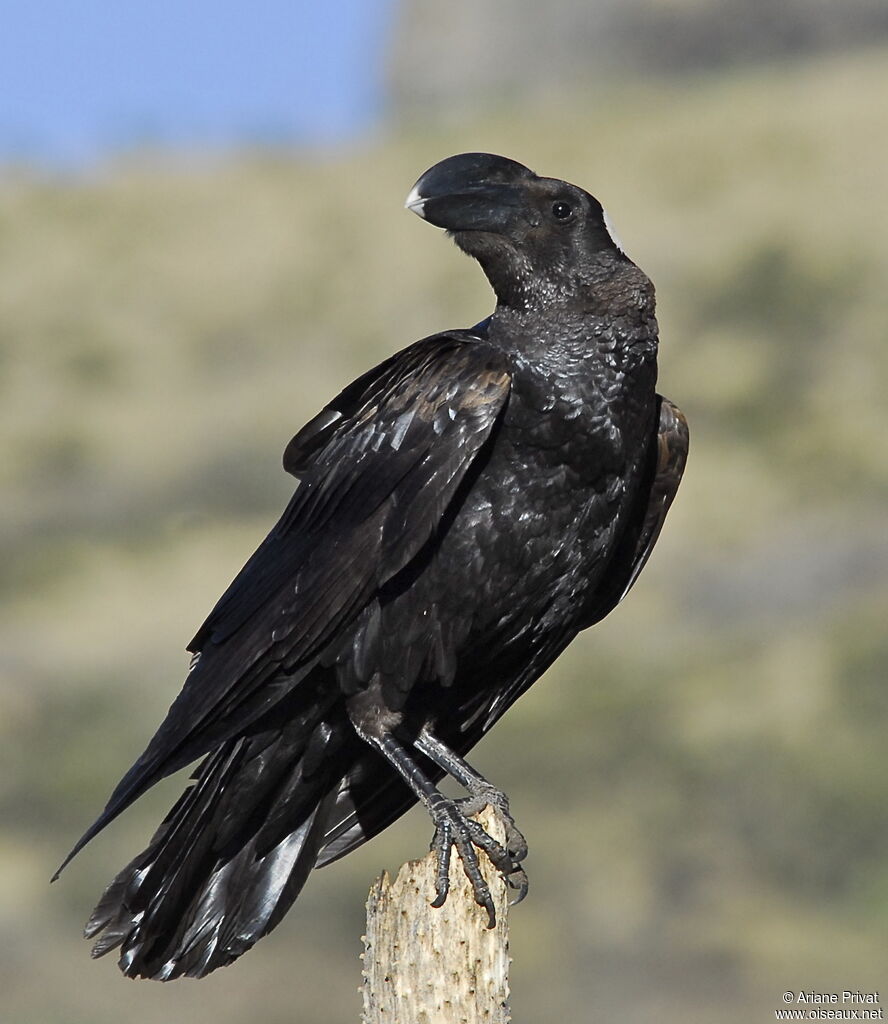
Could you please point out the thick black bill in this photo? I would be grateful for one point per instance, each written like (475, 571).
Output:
(470, 192)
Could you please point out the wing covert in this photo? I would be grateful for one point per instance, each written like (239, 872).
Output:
(378, 468)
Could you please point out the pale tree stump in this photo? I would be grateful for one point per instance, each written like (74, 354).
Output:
(424, 965)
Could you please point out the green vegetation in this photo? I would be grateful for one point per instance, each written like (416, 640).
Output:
(705, 793)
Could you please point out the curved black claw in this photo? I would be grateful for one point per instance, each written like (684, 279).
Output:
(517, 880)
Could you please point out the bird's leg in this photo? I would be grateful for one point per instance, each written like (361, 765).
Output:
(453, 827)
(482, 794)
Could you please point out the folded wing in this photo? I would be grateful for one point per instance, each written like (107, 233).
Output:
(378, 468)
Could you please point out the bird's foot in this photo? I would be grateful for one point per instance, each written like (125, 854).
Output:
(454, 828)
(515, 846)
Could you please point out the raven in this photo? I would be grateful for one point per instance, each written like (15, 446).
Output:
(463, 510)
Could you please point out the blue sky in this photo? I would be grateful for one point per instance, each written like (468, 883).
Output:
(81, 78)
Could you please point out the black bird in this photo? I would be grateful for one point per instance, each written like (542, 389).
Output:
(463, 510)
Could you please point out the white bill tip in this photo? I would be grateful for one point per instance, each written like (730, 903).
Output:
(415, 202)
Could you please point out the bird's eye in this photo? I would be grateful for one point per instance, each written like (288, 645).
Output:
(562, 210)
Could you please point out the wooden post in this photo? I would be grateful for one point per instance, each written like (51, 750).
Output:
(424, 965)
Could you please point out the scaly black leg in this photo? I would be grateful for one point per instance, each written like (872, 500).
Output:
(376, 725)
(483, 794)
(452, 827)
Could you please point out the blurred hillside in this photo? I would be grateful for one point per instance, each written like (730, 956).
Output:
(706, 790)
(509, 51)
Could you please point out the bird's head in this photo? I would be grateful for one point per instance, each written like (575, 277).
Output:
(540, 241)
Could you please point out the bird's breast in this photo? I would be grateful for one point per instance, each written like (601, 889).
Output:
(582, 418)
(539, 525)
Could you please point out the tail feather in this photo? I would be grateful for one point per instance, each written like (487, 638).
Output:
(370, 797)
(221, 871)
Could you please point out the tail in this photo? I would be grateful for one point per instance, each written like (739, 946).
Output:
(228, 860)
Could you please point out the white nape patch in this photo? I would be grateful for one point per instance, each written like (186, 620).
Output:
(615, 238)
(415, 202)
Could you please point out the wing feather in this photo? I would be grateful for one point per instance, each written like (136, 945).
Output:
(378, 468)
(669, 454)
